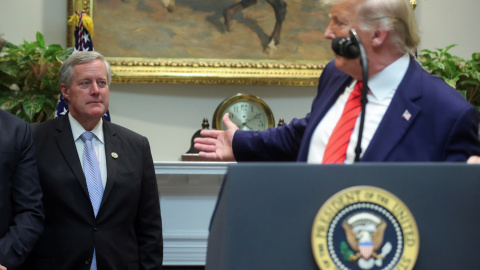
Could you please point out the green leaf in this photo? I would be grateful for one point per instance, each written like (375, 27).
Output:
(40, 40)
(451, 70)
(469, 82)
(462, 74)
(10, 104)
(32, 106)
(3, 100)
(10, 46)
(345, 251)
(54, 48)
(436, 67)
(451, 82)
(432, 53)
(20, 65)
(30, 48)
(52, 103)
(67, 52)
(449, 47)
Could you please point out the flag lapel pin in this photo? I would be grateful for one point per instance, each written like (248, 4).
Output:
(407, 115)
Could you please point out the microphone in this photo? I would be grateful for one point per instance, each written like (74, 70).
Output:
(351, 48)
(345, 47)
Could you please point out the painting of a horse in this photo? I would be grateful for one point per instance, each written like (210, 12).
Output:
(226, 29)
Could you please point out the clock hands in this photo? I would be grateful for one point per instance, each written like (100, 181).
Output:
(245, 121)
(246, 125)
(250, 119)
(243, 124)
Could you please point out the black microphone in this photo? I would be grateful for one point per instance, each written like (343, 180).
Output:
(345, 47)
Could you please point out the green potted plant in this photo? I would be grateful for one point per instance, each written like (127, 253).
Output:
(29, 85)
(462, 74)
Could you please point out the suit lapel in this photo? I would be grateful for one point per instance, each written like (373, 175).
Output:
(323, 102)
(66, 144)
(400, 115)
(112, 156)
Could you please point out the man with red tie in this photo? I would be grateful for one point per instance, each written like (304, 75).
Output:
(410, 116)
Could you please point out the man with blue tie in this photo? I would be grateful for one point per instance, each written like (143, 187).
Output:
(410, 116)
(101, 200)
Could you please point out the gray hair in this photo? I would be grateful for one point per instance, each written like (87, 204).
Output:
(81, 57)
(395, 16)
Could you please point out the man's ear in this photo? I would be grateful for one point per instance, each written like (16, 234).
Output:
(64, 90)
(379, 37)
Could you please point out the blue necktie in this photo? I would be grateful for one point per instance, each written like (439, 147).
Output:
(91, 170)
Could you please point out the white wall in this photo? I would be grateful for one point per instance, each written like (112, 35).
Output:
(445, 22)
(21, 19)
(169, 114)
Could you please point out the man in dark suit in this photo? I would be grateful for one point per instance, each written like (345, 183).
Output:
(102, 206)
(21, 211)
(410, 115)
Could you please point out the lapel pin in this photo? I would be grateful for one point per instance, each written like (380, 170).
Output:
(407, 115)
(114, 155)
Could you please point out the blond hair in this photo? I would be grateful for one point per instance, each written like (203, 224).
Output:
(395, 16)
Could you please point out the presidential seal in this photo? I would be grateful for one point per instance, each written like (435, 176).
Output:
(365, 227)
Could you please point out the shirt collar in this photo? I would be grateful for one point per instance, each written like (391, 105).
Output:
(77, 129)
(382, 83)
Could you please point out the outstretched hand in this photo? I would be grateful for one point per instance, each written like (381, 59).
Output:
(217, 144)
(473, 160)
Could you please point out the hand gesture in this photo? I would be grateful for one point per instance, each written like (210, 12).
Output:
(473, 160)
(217, 144)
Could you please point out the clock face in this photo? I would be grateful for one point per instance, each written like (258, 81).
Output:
(246, 111)
(247, 116)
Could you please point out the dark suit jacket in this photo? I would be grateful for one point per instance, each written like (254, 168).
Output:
(443, 125)
(21, 212)
(127, 233)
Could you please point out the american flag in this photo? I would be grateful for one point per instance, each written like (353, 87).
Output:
(83, 42)
(407, 115)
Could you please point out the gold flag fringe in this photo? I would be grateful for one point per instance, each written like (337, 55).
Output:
(87, 22)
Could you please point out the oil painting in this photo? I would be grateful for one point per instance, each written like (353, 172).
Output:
(273, 42)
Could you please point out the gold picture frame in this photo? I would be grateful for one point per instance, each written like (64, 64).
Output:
(145, 70)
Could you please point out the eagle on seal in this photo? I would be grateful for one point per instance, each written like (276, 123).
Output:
(364, 232)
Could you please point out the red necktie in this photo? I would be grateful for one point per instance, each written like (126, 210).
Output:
(336, 149)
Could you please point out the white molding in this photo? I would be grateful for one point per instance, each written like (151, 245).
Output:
(189, 168)
(185, 247)
(188, 193)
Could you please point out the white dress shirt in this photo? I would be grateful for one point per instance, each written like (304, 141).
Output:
(97, 142)
(382, 87)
